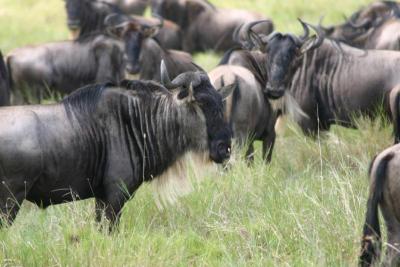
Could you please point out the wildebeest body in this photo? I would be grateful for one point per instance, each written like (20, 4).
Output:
(204, 26)
(335, 84)
(247, 110)
(104, 141)
(64, 66)
(150, 57)
(383, 195)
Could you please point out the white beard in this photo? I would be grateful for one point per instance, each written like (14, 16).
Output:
(175, 182)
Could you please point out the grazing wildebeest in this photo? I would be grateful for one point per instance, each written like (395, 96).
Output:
(4, 83)
(104, 141)
(384, 192)
(87, 17)
(62, 67)
(331, 81)
(247, 110)
(374, 27)
(145, 53)
(205, 26)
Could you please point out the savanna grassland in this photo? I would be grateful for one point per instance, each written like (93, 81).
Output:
(304, 209)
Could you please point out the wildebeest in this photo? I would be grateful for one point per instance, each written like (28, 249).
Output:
(331, 81)
(145, 53)
(204, 26)
(384, 191)
(374, 27)
(64, 66)
(86, 17)
(4, 83)
(247, 110)
(104, 141)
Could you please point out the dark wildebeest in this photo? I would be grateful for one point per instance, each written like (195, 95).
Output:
(4, 83)
(145, 53)
(384, 192)
(374, 27)
(64, 66)
(104, 141)
(86, 17)
(205, 26)
(247, 110)
(331, 81)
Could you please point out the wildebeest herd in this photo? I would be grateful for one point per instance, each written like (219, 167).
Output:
(109, 134)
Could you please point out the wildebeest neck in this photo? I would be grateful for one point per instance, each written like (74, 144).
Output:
(145, 123)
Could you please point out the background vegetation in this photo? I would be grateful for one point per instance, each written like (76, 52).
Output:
(305, 209)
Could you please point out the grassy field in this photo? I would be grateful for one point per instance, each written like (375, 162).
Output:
(304, 209)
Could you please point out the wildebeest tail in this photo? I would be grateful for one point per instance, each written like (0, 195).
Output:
(4, 83)
(395, 111)
(371, 241)
(227, 55)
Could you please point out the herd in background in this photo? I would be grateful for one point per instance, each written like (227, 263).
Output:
(329, 77)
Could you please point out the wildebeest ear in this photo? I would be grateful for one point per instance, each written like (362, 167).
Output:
(187, 94)
(226, 91)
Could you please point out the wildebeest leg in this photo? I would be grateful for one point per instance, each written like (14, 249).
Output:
(268, 146)
(309, 126)
(250, 153)
(100, 207)
(394, 99)
(11, 198)
(393, 233)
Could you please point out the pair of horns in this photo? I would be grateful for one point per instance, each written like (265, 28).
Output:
(261, 41)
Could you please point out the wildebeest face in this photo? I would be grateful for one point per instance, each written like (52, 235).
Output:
(284, 54)
(74, 8)
(196, 89)
(282, 57)
(133, 45)
(133, 33)
(218, 130)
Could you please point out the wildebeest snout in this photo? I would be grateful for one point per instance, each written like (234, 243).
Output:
(132, 68)
(220, 151)
(274, 93)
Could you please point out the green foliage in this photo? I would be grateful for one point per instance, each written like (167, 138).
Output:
(305, 209)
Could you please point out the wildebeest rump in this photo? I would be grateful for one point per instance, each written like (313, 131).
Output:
(145, 53)
(374, 27)
(87, 17)
(204, 26)
(383, 193)
(64, 66)
(4, 83)
(332, 82)
(104, 141)
(247, 110)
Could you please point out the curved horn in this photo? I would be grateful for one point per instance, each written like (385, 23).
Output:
(306, 33)
(235, 35)
(251, 35)
(165, 80)
(320, 38)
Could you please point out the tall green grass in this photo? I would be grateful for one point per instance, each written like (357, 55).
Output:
(304, 209)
